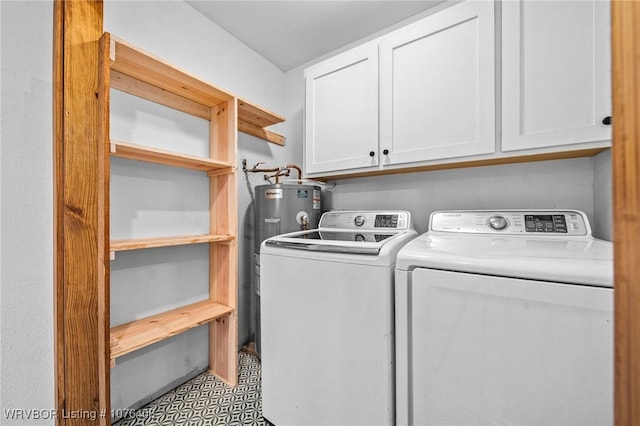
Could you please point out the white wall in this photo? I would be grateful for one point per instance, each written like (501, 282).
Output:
(26, 210)
(146, 199)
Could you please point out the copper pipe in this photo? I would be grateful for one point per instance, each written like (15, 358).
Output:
(293, 166)
(278, 173)
(276, 170)
(255, 168)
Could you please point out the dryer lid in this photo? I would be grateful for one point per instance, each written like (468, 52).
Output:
(586, 261)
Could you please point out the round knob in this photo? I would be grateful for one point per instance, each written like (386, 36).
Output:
(372, 154)
(359, 237)
(606, 121)
(498, 223)
(385, 152)
(359, 220)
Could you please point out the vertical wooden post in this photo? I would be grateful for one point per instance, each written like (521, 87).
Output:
(81, 216)
(223, 332)
(626, 193)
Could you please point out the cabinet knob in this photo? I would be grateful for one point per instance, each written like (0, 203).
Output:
(385, 152)
(606, 121)
(372, 154)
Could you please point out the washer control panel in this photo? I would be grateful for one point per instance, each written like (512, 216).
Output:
(512, 222)
(366, 220)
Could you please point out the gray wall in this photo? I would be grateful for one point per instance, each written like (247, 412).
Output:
(603, 196)
(26, 209)
(548, 184)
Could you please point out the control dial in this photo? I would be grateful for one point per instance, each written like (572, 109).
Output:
(498, 222)
(359, 220)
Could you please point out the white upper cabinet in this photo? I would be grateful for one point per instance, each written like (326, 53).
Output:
(437, 86)
(429, 95)
(556, 87)
(341, 111)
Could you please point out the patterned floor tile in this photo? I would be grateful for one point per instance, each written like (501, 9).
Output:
(207, 401)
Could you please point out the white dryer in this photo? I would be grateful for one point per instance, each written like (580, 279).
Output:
(505, 318)
(327, 320)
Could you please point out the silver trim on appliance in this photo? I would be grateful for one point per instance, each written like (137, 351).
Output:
(324, 247)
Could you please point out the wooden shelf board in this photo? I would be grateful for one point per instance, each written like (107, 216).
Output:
(145, 243)
(257, 115)
(168, 158)
(140, 333)
(252, 119)
(149, 69)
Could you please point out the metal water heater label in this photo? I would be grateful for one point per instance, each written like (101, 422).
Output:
(316, 199)
(273, 193)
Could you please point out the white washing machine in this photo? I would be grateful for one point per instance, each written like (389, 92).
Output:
(505, 318)
(327, 320)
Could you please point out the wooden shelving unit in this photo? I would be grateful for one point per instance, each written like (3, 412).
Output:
(126, 68)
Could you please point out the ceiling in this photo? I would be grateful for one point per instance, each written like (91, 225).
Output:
(291, 33)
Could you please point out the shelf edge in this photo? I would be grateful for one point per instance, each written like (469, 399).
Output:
(146, 243)
(167, 158)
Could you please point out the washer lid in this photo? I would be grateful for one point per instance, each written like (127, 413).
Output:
(368, 251)
(570, 260)
(335, 240)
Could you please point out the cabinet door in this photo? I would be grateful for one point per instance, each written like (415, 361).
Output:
(341, 115)
(437, 82)
(556, 73)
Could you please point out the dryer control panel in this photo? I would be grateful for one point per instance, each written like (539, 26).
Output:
(512, 222)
